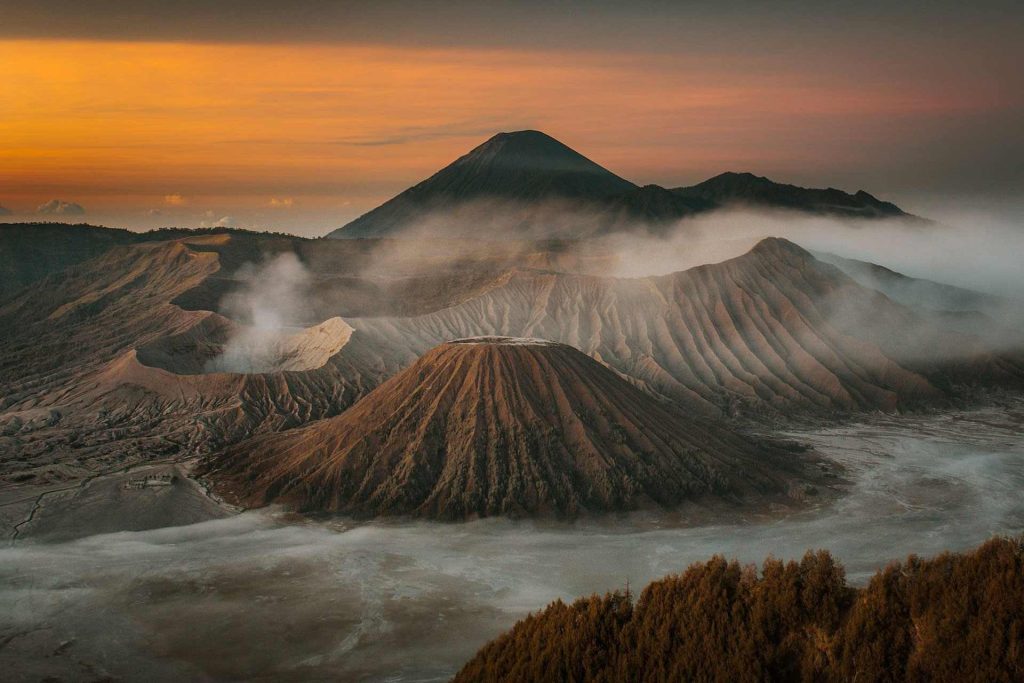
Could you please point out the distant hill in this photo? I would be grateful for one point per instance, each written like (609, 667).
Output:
(917, 292)
(528, 185)
(31, 251)
(757, 191)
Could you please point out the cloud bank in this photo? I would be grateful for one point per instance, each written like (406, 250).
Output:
(262, 596)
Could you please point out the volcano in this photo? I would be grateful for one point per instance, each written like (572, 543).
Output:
(523, 184)
(516, 169)
(528, 185)
(502, 426)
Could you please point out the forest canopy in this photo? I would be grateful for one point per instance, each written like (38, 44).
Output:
(955, 617)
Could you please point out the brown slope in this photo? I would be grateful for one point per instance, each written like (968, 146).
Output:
(491, 426)
(114, 361)
(75, 398)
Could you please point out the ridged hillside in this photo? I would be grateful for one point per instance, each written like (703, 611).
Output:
(774, 330)
(491, 426)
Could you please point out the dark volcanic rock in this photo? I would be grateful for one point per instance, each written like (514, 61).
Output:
(31, 251)
(528, 185)
(520, 168)
(749, 189)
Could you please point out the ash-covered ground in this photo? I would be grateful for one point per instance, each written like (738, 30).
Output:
(268, 596)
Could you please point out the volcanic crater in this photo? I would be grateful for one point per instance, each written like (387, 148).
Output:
(217, 344)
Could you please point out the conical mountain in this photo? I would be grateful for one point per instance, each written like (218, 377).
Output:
(522, 168)
(490, 426)
(525, 165)
(528, 185)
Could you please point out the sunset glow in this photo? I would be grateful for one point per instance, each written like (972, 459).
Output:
(309, 135)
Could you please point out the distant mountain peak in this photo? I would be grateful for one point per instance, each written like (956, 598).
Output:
(529, 139)
(525, 184)
(779, 246)
(526, 167)
(736, 175)
(536, 152)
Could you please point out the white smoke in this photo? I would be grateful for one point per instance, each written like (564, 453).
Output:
(267, 307)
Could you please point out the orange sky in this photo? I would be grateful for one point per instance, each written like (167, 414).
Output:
(307, 136)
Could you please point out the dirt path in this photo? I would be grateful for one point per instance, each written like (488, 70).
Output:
(38, 499)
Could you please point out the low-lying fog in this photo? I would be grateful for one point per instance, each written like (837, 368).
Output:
(266, 596)
(974, 250)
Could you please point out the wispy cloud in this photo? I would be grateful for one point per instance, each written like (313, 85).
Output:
(222, 222)
(61, 208)
(411, 134)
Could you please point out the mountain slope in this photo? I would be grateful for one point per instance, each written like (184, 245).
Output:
(917, 292)
(490, 426)
(773, 331)
(99, 370)
(747, 189)
(115, 360)
(523, 167)
(137, 354)
(30, 252)
(528, 185)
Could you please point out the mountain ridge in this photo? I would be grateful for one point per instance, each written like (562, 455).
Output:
(111, 360)
(527, 183)
(745, 188)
